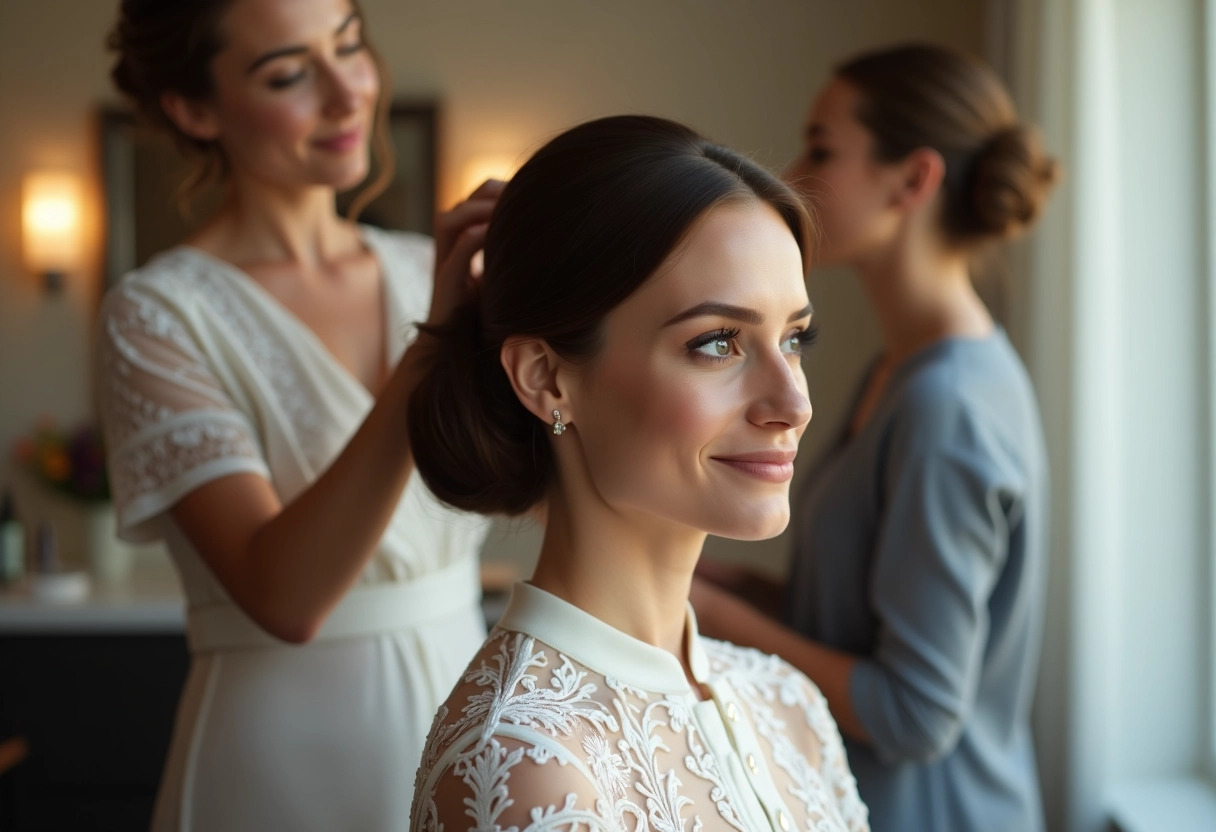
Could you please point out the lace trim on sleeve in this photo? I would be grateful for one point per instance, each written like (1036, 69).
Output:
(168, 461)
(169, 424)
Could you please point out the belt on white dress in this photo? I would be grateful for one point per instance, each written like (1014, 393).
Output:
(364, 611)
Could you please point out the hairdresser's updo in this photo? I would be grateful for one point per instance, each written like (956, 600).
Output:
(997, 178)
(578, 229)
(167, 46)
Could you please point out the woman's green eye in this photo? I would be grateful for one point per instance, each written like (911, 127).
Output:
(799, 342)
(717, 348)
(717, 344)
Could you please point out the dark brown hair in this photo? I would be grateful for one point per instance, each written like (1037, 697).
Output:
(585, 222)
(915, 96)
(167, 46)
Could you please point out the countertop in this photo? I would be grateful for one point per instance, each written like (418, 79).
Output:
(150, 602)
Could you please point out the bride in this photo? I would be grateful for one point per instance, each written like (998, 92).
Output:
(633, 364)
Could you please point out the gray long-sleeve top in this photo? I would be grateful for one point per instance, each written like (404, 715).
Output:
(921, 548)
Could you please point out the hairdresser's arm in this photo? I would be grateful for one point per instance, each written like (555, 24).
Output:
(288, 565)
(757, 589)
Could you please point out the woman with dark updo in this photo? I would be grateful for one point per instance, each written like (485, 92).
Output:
(253, 385)
(915, 599)
(634, 364)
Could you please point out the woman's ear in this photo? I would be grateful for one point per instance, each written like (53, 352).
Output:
(922, 172)
(194, 118)
(535, 372)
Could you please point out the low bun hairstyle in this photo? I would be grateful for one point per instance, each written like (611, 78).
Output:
(998, 176)
(167, 46)
(585, 222)
(1010, 182)
(475, 445)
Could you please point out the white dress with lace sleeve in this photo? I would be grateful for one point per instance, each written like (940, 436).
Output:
(564, 724)
(202, 374)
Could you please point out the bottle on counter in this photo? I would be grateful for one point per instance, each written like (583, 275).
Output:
(12, 541)
(46, 550)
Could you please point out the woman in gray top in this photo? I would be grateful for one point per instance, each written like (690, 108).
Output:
(916, 593)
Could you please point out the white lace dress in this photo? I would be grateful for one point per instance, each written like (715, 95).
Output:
(564, 723)
(201, 374)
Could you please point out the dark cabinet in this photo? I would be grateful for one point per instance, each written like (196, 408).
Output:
(97, 712)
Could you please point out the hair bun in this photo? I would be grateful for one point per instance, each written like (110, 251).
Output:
(1011, 181)
(475, 446)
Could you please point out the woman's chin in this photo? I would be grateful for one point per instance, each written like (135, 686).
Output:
(350, 183)
(346, 177)
(757, 525)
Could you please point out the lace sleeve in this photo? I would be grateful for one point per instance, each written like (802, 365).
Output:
(506, 784)
(168, 423)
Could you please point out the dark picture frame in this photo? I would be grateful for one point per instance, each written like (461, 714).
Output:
(142, 171)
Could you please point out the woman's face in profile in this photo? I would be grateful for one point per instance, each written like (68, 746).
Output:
(295, 92)
(847, 189)
(691, 411)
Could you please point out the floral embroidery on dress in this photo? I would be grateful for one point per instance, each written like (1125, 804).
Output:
(764, 680)
(611, 772)
(164, 412)
(167, 411)
(554, 708)
(268, 355)
(623, 757)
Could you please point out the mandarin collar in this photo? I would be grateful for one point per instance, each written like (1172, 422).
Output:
(581, 636)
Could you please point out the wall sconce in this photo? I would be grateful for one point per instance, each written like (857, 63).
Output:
(51, 226)
(485, 166)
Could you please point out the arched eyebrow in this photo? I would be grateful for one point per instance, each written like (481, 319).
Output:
(735, 313)
(296, 50)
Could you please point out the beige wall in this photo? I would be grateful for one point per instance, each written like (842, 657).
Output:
(508, 74)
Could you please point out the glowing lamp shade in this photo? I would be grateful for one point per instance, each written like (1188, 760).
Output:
(485, 166)
(51, 225)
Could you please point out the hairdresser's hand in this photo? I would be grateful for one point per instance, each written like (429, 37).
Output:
(459, 234)
(723, 575)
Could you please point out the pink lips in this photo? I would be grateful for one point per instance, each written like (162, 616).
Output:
(770, 466)
(341, 143)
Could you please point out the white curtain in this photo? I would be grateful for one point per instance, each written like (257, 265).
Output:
(1117, 336)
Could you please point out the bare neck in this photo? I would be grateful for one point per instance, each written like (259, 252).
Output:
(627, 572)
(921, 295)
(260, 224)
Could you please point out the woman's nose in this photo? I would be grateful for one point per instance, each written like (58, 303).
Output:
(342, 94)
(783, 399)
